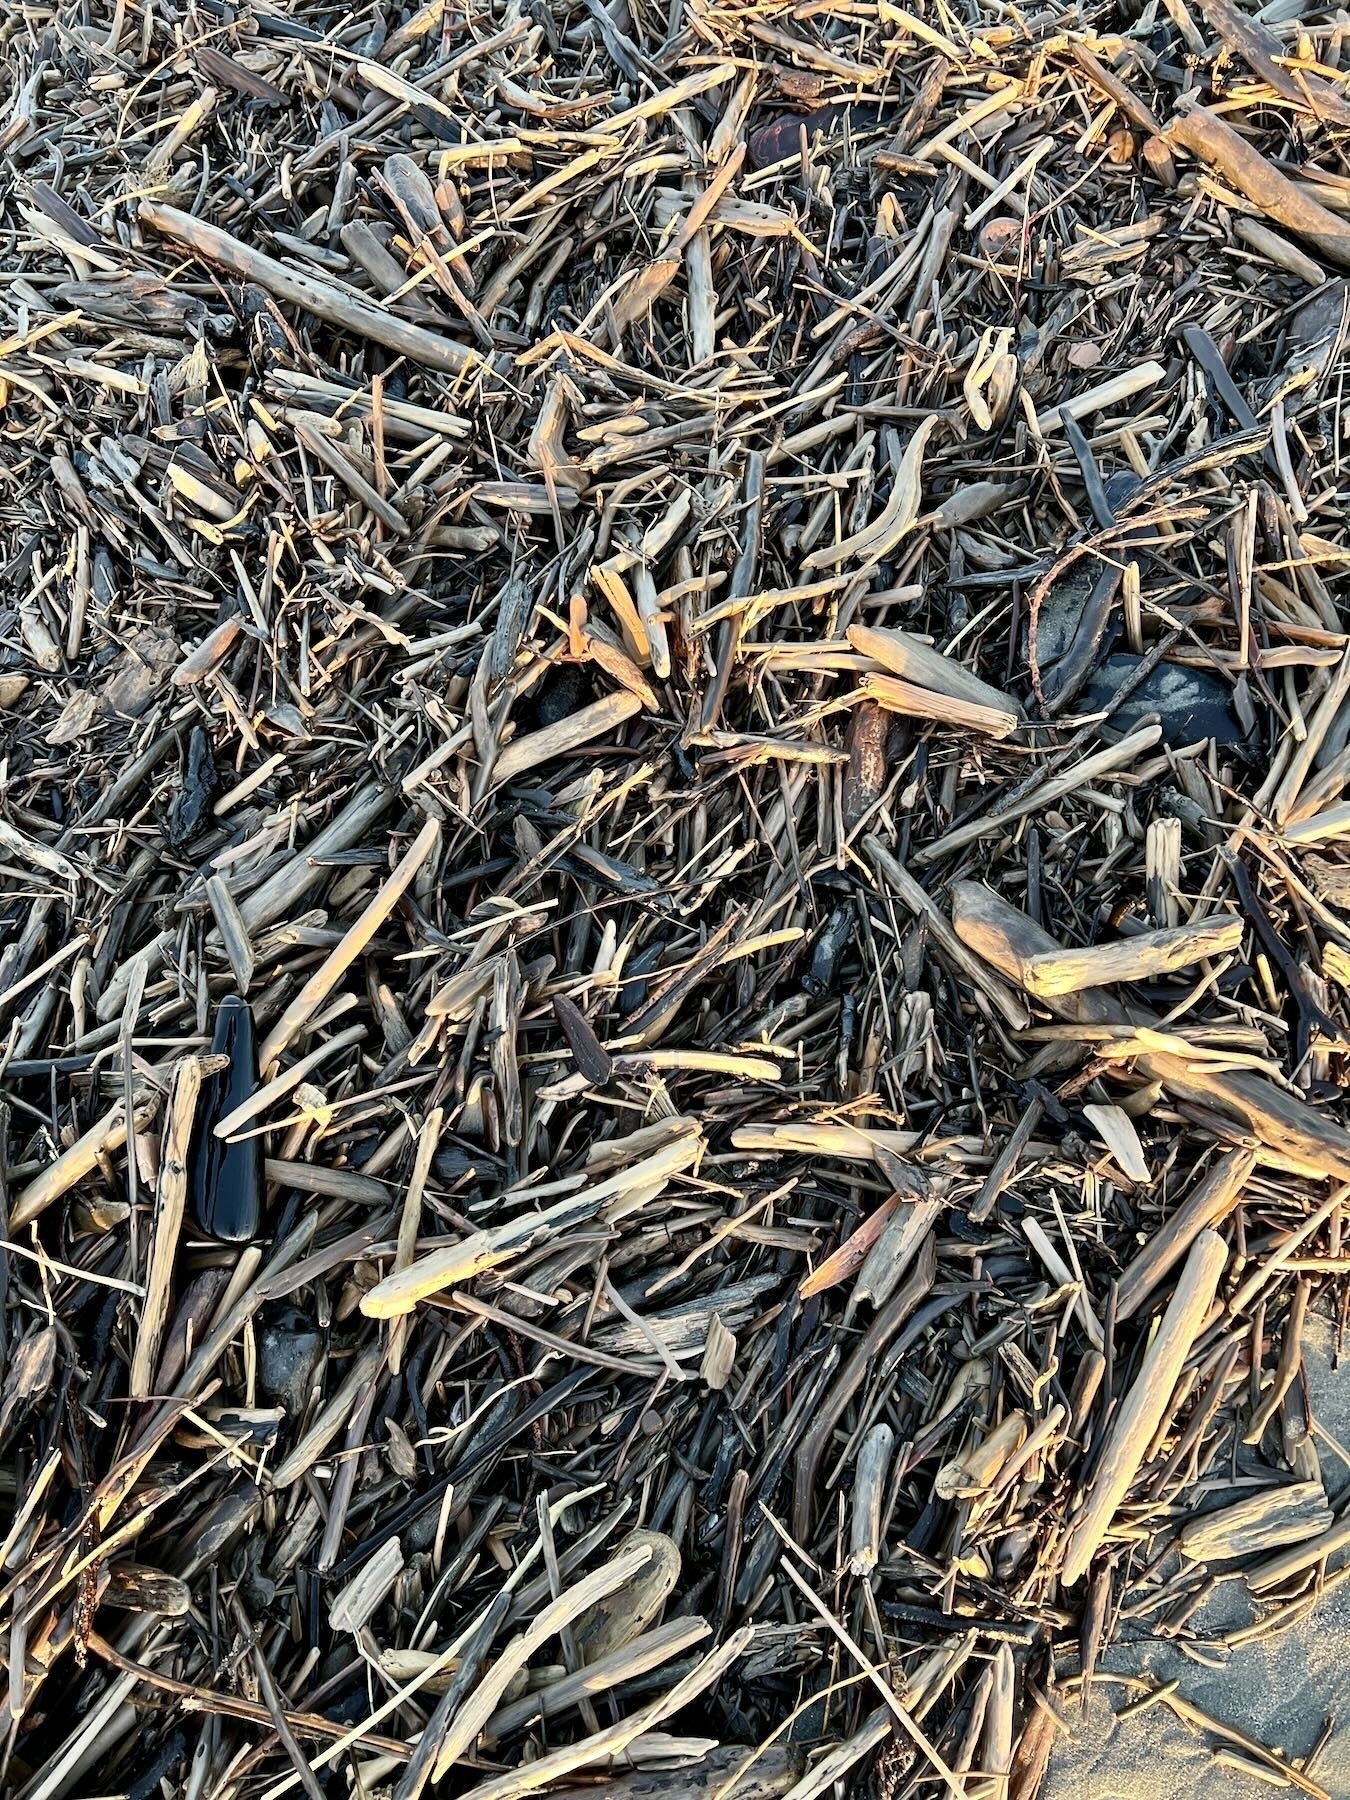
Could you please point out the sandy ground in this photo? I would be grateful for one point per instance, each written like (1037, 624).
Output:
(1279, 1692)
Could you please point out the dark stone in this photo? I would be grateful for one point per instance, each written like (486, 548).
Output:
(782, 136)
(257, 1590)
(963, 1231)
(289, 1347)
(563, 691)
(1191, 703)
(452, 1163)
(350, 1709)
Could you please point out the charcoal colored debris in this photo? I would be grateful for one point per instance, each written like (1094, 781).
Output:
(674, 700)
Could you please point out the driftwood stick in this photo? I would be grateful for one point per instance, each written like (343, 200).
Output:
(71, 1167)
(262, 1097)
(898, 879)
(233, 1706)
(401, 1290)
(1032, 1756)
(768, 1773)
(1262, 1757)
(556, 741)
(329, 1421)
(1299, 1557)
(870, 1346)
(1005, 1165)
(427, 1139)
(874, 1459)
(1046, 794)
(478, 1707)
(1064, 1275)
(1291, 1356)
(282, 892)
(315, 296)
(1145, 1406)
(1104, 397)
(170, 1203)
(1009, 940)
(1259, 1277)
(1131, 959)
(335, 965)
(1262, 50)
(915, 702)
(904, 654)
(1215, 142)
(996, 1742)
(821, 1778)
(1261, 1523)
(1209, 1202)
(1111, 85)
(650, 1650)
(611, 1741)
(1280, 1119)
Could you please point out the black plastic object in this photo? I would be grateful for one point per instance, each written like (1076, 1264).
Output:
(227, 1178)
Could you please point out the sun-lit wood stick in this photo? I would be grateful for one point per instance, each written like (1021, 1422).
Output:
(1279, 250)
(996, 1742)
(892, 874)
(262, 1097)
(904, 654)
(479, 1706)
(1301, 1556)
(1291, 1359)
(335, 965)
(1008, 939)
(427, 1139)
(874, 1461)
(71, 1167)
(1215, 142)
(1105, 397)
(170, 1203)
(462, 1259)
(915, 702)
(159, 159)
(1145, 1406)
(559, 740)
(1092, 768)
(1210, 1201)
(1132, 959)
(309, 292)
(1065, 1276)
(649, 1651)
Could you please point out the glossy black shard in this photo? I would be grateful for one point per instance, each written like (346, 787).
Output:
(227, 1177)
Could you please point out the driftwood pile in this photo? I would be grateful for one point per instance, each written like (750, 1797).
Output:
(674, 931)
